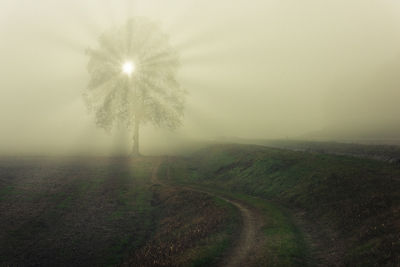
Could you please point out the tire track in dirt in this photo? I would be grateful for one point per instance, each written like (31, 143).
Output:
(247, 242)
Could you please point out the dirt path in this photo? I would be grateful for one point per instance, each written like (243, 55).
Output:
(248, 242)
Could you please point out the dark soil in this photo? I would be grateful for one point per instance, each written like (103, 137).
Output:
(105, 212)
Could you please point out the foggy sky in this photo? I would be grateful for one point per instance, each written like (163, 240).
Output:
(253, 69)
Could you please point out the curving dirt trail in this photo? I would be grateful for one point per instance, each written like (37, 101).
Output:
(247, 243)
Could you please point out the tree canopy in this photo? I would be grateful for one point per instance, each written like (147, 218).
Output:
(148, 93)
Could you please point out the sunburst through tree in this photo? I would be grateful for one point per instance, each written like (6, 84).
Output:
(133, 79)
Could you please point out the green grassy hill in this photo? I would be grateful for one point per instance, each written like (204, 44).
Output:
(351, 205)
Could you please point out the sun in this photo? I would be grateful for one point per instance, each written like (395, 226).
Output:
(128, 68)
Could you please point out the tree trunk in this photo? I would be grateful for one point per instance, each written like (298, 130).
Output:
(135, 148)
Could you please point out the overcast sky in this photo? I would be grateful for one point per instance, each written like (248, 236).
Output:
(253, 69)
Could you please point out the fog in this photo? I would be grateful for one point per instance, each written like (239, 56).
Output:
(252, 69)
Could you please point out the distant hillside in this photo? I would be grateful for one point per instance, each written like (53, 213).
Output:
(387, 134)
(388, 153)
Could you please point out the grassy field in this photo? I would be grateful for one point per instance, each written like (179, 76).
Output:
(105, 212)
(350, 206)
(312, 209)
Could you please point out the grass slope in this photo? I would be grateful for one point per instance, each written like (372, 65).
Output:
(355, 201)
(193, 229)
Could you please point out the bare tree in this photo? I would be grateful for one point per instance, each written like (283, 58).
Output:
(133, 79)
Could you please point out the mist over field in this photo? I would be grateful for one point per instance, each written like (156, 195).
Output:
(199, 133)
(252, 69)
